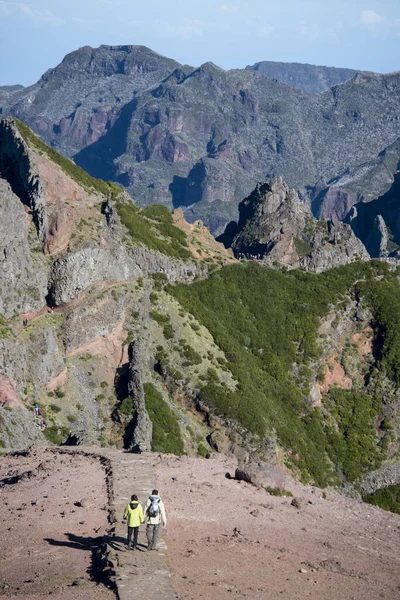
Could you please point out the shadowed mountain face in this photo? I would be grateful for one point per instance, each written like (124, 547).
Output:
(377, 223)
(202, 138)
(311, 79)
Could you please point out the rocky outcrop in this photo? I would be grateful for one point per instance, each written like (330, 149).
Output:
(19, 169)
(141, 426)
(262, 475)
(23, 275)
(377, 241)
(73, 273)
(276, 227)
(139, 372)
(381, 478)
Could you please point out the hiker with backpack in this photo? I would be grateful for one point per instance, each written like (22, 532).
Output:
(134, 514)
(155, 519)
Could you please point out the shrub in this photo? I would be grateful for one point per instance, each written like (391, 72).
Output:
(59, 393)
(55, 408)
(125, 408)
(166, 431)
(387, 498)
(168, 331)
(202, 451)
(278, 492)
(161, 319)
(71, 418)
(55, 435)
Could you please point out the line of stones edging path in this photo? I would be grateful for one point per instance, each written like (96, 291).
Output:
(137, 574)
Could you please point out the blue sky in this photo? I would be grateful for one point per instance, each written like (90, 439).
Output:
(363, 34)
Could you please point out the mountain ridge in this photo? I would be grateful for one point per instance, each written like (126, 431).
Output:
(201, 138)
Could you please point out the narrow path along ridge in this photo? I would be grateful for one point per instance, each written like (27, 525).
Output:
(138, 574)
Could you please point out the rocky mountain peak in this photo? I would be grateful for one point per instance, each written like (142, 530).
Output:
(277, 227)
(106, 61)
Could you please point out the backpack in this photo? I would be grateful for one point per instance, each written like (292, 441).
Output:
(154, 508)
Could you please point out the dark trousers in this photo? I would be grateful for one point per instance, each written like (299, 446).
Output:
(135, 532)
(153, 533)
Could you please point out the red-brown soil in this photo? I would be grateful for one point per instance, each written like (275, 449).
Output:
(227, 539)
(47, 542)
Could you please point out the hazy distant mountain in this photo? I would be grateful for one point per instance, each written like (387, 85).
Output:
(202, 138)
(308, 78)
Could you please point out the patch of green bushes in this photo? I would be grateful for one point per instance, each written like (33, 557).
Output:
(190, 355)
(168, 331)
(202, 451)
(161, 319)
(247, 307)
(126, 407)
(56, 435)
(5, 329)
(352, 442)
(166, 431)
(272, 491)
(387, 498)
(153, 227)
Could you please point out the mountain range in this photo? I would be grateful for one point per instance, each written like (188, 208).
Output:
(202, 138)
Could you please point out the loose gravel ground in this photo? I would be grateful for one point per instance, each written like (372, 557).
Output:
(226, 539)
(52, 520)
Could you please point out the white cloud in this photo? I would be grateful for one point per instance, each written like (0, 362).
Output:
(230, 7)
(371, 18)
(26, 11)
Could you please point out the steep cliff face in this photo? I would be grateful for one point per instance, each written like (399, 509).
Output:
(275, 226)
(20, 170)
(376, 223)
(202, 138)
(23, 274)
(63, 245)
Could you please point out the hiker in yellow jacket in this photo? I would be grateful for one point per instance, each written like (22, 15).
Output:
(134, 513)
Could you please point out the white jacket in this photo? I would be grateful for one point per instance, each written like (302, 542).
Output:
(160, 518)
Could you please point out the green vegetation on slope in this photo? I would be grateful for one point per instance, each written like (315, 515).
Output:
(352, 444)
(70, 168)
(153, 227)
(5, 330)
(387, 498)
(166, 432)
(266, 323)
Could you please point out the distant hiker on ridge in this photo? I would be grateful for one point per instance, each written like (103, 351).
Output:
(155, 518)
(134, 513)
